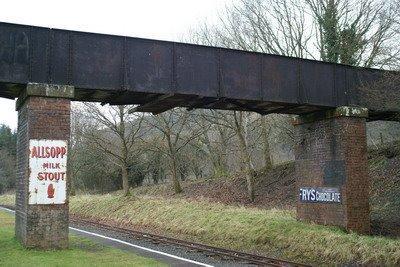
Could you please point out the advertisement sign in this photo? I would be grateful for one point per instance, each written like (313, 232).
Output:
(48, 171)
(320, 195)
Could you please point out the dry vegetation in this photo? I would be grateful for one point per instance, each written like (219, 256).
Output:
(218, 212)
(271, 232)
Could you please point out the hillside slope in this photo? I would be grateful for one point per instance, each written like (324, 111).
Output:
(272, 232)
(275, 188)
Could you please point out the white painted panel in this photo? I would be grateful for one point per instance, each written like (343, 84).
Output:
(48, 171)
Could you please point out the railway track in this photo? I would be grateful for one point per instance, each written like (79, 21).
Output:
(225, 254)
(206, 249)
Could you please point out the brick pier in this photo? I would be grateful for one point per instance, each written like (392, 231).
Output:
(332, 169)
(41, 221)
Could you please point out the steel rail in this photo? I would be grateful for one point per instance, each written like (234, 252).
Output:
(215, 251)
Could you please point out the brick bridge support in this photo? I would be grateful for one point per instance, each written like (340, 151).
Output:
(41, 219)
(332, 169)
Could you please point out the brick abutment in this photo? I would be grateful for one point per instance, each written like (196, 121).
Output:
(42, 150)
(332, 169)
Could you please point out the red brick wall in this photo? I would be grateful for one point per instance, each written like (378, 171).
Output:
(333, 153)
(41, 226)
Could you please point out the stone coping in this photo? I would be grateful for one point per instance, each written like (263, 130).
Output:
(332, 113)
(45, 90)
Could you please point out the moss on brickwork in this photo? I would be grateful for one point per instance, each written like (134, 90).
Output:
(332, 113)
(45, 90)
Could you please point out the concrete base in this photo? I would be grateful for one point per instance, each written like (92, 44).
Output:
(332, 169)
(45, 117)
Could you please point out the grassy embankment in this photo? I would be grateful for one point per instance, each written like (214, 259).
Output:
(270, 232)
(82, 252)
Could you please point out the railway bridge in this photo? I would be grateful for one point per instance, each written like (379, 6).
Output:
(46, 69)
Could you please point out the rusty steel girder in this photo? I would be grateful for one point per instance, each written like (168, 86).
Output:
(160, 75)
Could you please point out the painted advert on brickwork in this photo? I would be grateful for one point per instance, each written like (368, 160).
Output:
(320, 195)
(48, 171)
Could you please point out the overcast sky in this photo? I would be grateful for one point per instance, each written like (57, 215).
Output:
(156, 19)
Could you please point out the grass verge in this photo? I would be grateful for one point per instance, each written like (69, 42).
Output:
(82, 252)
(270, 232)
(8, 199)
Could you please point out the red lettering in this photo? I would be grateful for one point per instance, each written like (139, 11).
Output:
(34, 152)
(48, 152)
(51, 176)
(63, 151)
(58, 151)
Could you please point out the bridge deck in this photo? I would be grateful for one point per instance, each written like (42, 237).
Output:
(160, 75)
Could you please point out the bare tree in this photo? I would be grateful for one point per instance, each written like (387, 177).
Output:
(270, 26)
(178, 129)
(352, 32)
(117, 134)
(238, 122)
(265, 133)
(357, 32)
(241, 128)
(277, 27)
(214, 142)
(74, 164)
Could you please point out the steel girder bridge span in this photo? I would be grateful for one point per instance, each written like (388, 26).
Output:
(47, 68)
